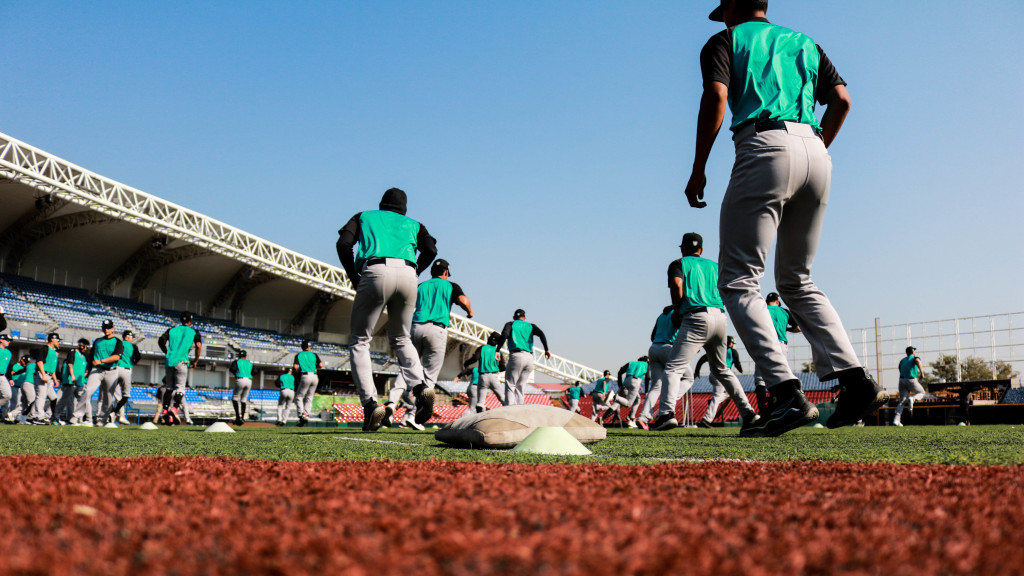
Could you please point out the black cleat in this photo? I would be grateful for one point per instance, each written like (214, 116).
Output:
(748, 422)
(859, 396)
(389, 409)
(373, 415)
(424, 403)
(704, 424)
(787, 409)
(664, 422)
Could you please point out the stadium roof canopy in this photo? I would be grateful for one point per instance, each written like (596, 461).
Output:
(66, 225)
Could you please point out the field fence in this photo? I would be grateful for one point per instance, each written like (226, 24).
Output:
(991, 338)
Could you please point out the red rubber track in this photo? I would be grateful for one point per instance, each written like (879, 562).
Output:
(152, 516)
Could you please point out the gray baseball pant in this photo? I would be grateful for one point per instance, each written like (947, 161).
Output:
(779, 189)
(5, 392)
(284, 404)
(473, 395)
(102, 380)
(41, 393)
(304, 393)
(68, 400)
(28, 399)
(431, 342)
(390, 285)
(657, 357)
(242, 388)
(490, 381)
(574, 405)
(758, 379)
(910, 390)
(517, 374)
(699, 329)
(629, 395)
(177, 379)
(718, 395)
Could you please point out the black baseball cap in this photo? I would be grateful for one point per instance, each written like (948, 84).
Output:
(519, 313)
(242, 353)
(911, 349)
(305, 344)
(771, 297)
(717, 16)
(692, 242)
(5, 337)
(107, 324)
(52, 336)
(730, 340)
(83, 342)
(186, 317)
(127, 333)
(439, 266)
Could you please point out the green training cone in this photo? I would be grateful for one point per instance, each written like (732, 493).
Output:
(553, 440)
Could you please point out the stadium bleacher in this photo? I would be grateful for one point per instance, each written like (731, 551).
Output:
(72, 307)
(146, 319)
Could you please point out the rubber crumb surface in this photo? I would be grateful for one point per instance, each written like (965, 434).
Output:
(153, 516)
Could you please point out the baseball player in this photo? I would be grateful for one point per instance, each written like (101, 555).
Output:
(700, 316)
(910, 388)
(22, 399)
(241, 368)
(491, 364)
(383, 273)
(574, 392)
(106, 352)
(3, 319)
(306, 365)
(784, 322)
(430, 321)
(6, 366)
(599, 395)
(176, 343)
(519, 334)
(663, 335)
(636, 375)
(76, 364)
(45, 377)
(286, 382)
(720, 395)
(472, 392)
(123, 388)
(770, 77)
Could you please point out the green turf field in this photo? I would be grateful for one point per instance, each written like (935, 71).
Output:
(912, 444)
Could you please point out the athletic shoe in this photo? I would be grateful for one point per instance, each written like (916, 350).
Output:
(749, 422)
(172, 416)
(630, 423)
(787, 409)
(643, 424)
(898, 423)
(301, 422)
(859, 396)
(424, 403)
(704, 424)
(373, 414)
(389, 410)
(664, 422)
(415, 426)
(123, 420)
(86, 424)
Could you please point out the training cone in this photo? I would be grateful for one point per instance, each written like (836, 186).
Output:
(110, 425)
(219, 427)
(553, 440)
(148, 426)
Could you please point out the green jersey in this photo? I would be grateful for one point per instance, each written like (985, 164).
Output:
(126, 356)
(79, 365)
(474, 379)
(664, 331)
(5, 361)
(522, 336)
(103, 348)
(636, 369)
(286, 382)
(780, 318)
(700, 283)
(488, 364)
(574, 392)
(179, 341)
(729, 358)
(908, 368)
(775, 72)
(22, 377)
(307, 362)
(243, 368)
(434, 302)
(385, 234)
(601, 386)
(48, 356)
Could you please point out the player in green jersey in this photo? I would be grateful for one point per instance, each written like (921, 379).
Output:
(910, 387)
(287, 384)
(45, 378)
(784, 322)
(6, 364)
(176, 343)
(491, 365)
(599, 395)
(241, 369)
(519, 334)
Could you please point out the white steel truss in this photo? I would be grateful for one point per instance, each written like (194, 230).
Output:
(51, 175)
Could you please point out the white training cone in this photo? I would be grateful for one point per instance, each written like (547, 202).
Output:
(553, 440)
(219, 427)
(148, 426)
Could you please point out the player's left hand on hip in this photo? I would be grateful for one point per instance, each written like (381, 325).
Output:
(695, 190)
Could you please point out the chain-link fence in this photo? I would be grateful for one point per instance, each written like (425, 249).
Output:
(998, 337)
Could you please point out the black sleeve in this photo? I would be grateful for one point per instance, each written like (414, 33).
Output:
(828, 77)
(3, 323)
(736, 361)
(501, 363)
(473, 359)
(21, 370)
(234, 367)
(427, 246)
(540, 334)
(199, 337)
(347, 238)
(118, 348)
(296, 360)
(716, 59)
(319, 363)
(39, 354)
(136, 355)
(70, 358)
(456, 292)
(791, 325)
(621, 372)
(464, 373)
(703, 360)
(675, 270)
(506, 333)
(162, 341)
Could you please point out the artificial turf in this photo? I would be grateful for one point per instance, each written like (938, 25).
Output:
(984, 445)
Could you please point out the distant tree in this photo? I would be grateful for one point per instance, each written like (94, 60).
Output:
(971, 368)
(807, 367)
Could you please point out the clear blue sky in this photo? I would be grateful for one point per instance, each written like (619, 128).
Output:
(545, 144)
